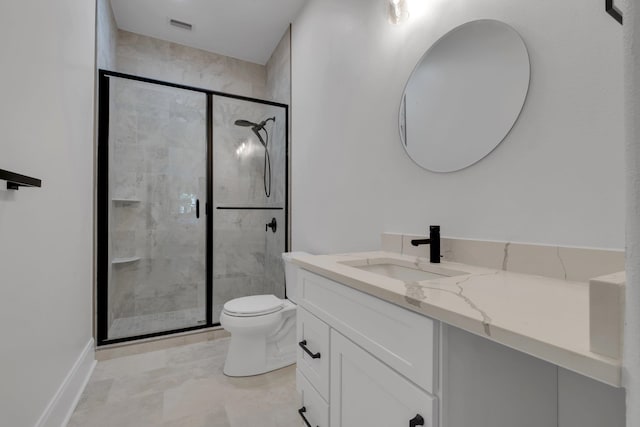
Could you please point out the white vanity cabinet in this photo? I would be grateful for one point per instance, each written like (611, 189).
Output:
(370, 362)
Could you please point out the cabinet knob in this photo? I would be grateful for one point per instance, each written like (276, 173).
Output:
(416, 421)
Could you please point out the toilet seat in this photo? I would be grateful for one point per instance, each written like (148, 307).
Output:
(255, 305)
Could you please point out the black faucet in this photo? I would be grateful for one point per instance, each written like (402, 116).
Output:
(433, 241)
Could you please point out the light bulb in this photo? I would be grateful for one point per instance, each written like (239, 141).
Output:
(398, 11)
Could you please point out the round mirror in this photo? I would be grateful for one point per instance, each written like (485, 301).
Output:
(464, 96)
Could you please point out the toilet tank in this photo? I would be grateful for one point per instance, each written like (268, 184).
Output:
(291, 274)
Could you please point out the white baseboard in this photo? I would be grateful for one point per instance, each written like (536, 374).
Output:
(61, 407)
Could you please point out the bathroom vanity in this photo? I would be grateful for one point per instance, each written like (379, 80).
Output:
(387, 339)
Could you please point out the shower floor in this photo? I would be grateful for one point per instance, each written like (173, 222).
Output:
(156, 322)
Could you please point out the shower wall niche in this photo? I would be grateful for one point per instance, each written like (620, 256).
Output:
(183, 214)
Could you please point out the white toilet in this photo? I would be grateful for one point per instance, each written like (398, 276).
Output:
(262, 328)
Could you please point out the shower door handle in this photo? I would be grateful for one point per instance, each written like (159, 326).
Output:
(197, 208)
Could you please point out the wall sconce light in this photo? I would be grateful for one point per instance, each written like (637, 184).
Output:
(398, 11)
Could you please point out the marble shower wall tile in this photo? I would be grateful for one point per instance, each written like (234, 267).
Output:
(239, 156)
(277, 151)
(278, 70)
(279, 89)
(123, 277)
(107, 35)
(246, 259)
(274, 267)
(162, 60)
(575, 264)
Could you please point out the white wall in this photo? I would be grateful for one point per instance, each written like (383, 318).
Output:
(631, 366)
(558, 178)
(46, 120)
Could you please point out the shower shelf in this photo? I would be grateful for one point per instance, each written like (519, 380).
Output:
(125, 260)
(125, 201)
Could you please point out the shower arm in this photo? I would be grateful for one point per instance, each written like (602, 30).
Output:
(257, 130)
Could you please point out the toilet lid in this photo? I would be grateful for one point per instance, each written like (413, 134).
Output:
(254, 305)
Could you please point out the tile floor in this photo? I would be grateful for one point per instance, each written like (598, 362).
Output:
(185, 387)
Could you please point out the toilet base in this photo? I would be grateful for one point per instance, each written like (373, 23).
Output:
(248, 370)
(253, 352)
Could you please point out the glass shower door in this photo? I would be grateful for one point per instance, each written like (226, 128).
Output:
(249, 196)
(157, 223)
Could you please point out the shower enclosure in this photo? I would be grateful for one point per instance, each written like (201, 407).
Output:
(192, 204)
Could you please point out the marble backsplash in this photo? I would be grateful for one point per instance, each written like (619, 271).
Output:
(567, 263)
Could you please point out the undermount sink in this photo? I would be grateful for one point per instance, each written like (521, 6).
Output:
(403, 270)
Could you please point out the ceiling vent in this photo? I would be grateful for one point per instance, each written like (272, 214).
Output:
(180, 24)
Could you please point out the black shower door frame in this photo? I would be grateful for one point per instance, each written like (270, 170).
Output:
(102, 253)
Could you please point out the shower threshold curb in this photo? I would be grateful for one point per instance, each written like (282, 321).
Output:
(129, 348)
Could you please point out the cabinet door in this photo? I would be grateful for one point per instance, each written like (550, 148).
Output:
(366, 392)
(313, 335)
(399, 338)
(314, 410)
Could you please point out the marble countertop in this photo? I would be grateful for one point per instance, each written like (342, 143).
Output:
(544, 317)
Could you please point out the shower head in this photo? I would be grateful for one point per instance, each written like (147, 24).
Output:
(246, 123)
(254, 126)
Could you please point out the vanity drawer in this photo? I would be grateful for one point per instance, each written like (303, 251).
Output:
(313, 335)
(402, 339)
(313, 408)
(367, 392)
